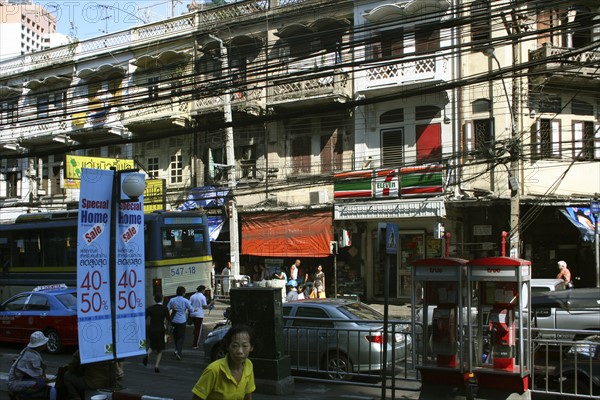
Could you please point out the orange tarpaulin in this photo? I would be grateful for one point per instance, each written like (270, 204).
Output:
(287, 234)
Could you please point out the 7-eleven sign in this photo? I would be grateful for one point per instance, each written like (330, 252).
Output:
(386, 183)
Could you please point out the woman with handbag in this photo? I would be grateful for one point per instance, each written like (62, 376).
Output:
(158, 314)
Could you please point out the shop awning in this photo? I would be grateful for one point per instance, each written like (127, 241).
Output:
(583, 219)
(287, 234)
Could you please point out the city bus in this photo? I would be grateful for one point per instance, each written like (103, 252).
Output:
(41, 249)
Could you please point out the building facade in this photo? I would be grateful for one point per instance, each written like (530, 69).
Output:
(24, 27)
(453, 121)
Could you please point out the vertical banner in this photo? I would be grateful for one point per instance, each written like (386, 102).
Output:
(93, 266)
(130, 303)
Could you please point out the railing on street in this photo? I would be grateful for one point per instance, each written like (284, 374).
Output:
(321, 350)
(569, 368)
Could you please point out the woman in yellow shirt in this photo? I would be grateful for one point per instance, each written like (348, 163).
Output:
(231, 377)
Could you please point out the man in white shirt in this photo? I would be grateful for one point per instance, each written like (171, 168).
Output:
(198, 301)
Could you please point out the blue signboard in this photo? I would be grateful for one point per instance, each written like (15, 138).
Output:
(391, 239)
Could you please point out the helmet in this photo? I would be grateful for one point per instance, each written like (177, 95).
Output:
(292, 283)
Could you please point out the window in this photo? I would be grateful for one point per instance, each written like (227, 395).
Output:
(427, 39)
(12, 178)
(481, 105)
(392, 116)
(114, 151)
(550, 104)
(331, 151)
(387, 44)
(312, 312)
(38, 302)
(586, 140)
(479, 137)
(153, 87)
(9, 111)
(481, 31)
(51, 175)
(392, 148)
(216, 161)
(579, 107)
(247, 161)
(427, 112)
(546, 138)
(300, 154)
(153, 167)
(42, 106)
(176, 168)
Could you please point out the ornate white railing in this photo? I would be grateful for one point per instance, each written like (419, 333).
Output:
(561, 55)
(406, 72)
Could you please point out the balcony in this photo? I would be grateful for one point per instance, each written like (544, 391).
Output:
(248, 101)
(384, 75)
(156, 116)
(35, 134)
(315, 79)
(564, 65)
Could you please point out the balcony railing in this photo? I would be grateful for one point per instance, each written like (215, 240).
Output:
(563, 59)
(388, 74)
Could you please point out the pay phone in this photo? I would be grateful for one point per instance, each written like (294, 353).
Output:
(443, 335)
(502, 296)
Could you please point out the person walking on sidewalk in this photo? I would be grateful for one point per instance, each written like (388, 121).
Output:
(179, 306)
(158, 314)
(230, 377)
(198, 301)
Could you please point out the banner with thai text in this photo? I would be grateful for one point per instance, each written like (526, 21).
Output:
(93, 266)
(130, 303)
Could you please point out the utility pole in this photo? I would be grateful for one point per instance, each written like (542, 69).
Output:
(234, 240)
(513, 29)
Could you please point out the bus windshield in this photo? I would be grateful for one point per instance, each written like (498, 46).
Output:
(183, 242)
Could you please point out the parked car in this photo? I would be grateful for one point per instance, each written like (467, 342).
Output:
(51, 309)
(539, 285)
(339, 336)
(579, 370)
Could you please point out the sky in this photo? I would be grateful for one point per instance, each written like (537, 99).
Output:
(86, 19)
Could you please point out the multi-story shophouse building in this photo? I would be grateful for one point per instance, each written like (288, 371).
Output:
(315, 116)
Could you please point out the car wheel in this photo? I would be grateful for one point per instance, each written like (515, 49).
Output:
(218, 351)
(54, 342)
(568, 387)
(338, 366)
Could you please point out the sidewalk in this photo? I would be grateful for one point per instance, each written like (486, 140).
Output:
(176, 378)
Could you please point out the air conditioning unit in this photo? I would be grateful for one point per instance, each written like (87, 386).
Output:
(319, 197)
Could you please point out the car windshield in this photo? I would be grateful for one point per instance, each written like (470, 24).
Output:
(68, 299)
(360, 311)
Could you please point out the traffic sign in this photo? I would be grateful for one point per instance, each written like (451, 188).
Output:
(595, 207)
(391, 239)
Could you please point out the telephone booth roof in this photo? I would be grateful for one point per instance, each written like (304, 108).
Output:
(440, 261)
(500, 262)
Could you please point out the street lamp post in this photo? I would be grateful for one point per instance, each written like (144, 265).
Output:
(132, 187)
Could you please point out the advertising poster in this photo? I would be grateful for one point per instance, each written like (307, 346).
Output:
(93, 266)
(130, 306)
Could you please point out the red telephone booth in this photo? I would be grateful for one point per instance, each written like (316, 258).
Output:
(501, 288)
(439, 299)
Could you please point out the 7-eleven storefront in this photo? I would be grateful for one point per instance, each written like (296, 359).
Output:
(367, 204)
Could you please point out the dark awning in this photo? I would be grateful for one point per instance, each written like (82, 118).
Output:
(287, 234)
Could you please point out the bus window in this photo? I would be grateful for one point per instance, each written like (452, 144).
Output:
(27, 249)
(184, 242)
(60, 248)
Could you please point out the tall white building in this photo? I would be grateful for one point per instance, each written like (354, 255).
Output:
(24, 28)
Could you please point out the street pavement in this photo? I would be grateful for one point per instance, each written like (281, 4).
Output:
(176, 378)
